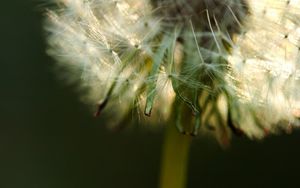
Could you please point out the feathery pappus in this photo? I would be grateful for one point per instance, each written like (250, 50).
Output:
(216, 66)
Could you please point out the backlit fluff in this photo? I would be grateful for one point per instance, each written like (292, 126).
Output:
(216, 66)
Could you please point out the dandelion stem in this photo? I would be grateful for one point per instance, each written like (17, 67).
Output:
(174, 159)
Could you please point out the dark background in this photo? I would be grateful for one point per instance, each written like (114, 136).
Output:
(48, 139)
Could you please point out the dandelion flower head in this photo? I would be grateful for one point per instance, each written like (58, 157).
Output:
(213, 66)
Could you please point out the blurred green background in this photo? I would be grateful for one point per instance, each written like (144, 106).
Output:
(48, 139)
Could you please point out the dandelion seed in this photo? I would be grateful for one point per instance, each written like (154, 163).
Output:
(216, 66)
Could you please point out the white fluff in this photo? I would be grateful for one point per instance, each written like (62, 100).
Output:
(113, 47)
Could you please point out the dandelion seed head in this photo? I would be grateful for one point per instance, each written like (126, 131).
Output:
(215, 66)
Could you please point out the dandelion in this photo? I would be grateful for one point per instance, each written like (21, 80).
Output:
(203, 66)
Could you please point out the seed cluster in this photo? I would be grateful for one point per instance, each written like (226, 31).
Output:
(206, 66)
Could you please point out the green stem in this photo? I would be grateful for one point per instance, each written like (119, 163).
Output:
(174, 159)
